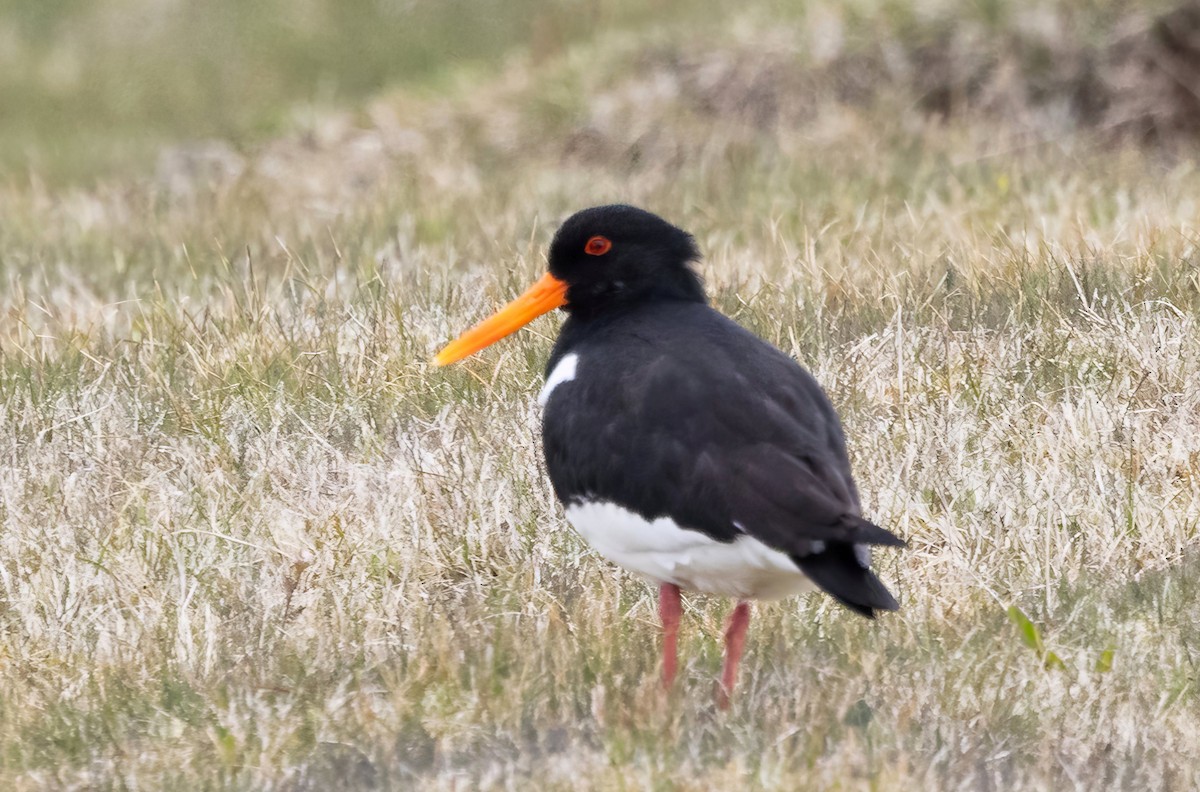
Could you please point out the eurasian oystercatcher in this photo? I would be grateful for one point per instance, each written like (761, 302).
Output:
(682, 447)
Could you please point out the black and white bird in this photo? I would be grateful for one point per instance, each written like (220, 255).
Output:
(682, 447)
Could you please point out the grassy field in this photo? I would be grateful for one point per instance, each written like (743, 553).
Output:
(251, 539)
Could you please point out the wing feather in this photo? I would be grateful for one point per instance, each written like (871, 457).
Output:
(723, 433)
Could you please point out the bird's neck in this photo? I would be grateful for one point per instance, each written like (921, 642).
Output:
(581, 326)
(683, 284)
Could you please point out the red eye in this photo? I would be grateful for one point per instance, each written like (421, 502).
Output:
(597, 246)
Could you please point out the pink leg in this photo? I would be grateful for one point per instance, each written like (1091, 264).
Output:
(735, 641)
(669, 610)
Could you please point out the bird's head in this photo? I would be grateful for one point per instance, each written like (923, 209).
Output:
(610, 255)
(601, 259)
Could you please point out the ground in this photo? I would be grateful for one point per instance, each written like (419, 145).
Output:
(251, 539)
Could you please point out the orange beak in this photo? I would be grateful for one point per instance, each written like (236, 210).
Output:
(542, 297)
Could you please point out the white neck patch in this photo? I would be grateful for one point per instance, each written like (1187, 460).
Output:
(563, 372)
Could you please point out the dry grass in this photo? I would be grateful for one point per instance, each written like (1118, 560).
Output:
(251, 539)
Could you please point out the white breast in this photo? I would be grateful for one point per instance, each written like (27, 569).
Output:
(563, 372)
(661, 551)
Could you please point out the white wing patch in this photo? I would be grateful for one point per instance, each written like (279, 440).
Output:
(563, 372)
(661, 551)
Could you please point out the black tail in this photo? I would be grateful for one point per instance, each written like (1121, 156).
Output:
(867, 532)
(838, 571)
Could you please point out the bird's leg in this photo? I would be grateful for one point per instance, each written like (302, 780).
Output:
(735, 641)
(669, 610)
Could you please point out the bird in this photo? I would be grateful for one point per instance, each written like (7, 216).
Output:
(682, 447)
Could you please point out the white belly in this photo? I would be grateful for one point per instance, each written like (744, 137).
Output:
(661, 551)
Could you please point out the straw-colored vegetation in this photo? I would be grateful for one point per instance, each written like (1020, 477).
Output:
(250, 538)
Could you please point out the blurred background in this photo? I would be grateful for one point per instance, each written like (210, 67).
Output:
(90, 85)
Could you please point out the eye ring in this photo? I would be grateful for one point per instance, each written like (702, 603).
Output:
(597, 246)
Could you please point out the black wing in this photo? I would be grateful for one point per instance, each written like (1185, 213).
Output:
(697, 419)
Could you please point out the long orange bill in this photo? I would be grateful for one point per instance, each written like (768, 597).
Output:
(542, 297)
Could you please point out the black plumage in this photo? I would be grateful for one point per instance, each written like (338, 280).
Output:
(678, 411)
